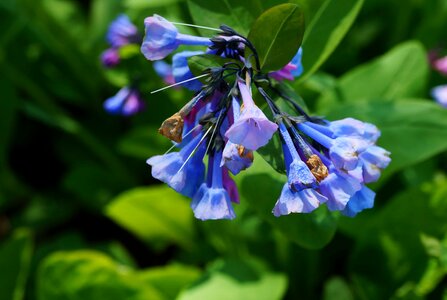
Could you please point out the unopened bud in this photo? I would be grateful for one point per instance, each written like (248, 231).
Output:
(317, 168)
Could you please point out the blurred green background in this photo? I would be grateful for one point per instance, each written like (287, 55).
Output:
(81, 217)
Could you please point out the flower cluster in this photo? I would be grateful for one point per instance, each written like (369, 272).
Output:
(122, 32)
(326, 162)
(439, 64)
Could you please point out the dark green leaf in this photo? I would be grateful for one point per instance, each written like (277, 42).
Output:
(391, 76)
(277, 35)
(237, 14)
(15, 257)
(337, 289)
(261, 186)
(154, 214)
(238, 280)
(326, 31)
(143, 142)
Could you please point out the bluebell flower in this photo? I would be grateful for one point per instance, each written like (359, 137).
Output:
(290, 71)
(181, 71)
(439, 93)
(230, 186)
(168, 167)
(110, 58)
(362, 199)
(162, 38)
(212, 201)
(164, 70)
(440, 65)
(373, 160)
(304, 201)
(296, 60)
(126, 102)
(339, 188)
(236, 158)
(252, 130)
(122, 32)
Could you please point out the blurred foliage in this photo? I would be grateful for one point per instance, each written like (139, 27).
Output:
(81, 217)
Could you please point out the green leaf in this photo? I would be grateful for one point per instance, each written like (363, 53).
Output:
(234, 279)
(171, 279)
(239, 15)
(89, 275)
(15, 258)
(277, 35)
(154, 214)
(141, 142)
(337, 289)
(403, 124)
(261, 186)
(389, 77)
(326, 31)
(199, 63)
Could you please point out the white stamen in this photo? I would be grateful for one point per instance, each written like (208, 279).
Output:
(196, 26)
(189, 132)
(178, 83)
(193, 151)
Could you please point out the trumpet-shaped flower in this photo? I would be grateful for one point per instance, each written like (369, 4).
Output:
(181, 71)
(122, 32)
(126, 102)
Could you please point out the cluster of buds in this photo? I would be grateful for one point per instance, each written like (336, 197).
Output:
(326, 162)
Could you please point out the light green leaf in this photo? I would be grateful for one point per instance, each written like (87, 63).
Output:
(239, 15)
(276, 35)
(402, 72)
(237, 280)
(336, 288)
(325, 32)
(154, 214)
(15, 258)
(261, 186)
(89, 275)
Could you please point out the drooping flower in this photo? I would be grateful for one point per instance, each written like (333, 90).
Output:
(304, 201)
(440, 94)
(362, 199)
(252, 130)
(122, 32)
(162, 38)
(164, 70)
(181, 170)
(181, 71)
(292, 70)
(212, 201)
(126, 102)
(110, 57)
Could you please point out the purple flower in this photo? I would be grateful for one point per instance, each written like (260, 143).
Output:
(362, 199)
(110, 57)
(126, 102)
(230, 186)
(162, 38)
(440, 94)
(182, 72)
(441, 65)
(164, 70)
(168, 168)
(292, 70)
(304, 201)
(212, 201)
(122, 32)
(236, 158)
(252, 130)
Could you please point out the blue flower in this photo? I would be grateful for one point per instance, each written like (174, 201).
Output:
(212, 201)
(362, 199)
(290, 71)
(252, 130)
(126, 102)
(373, 160)
(236, 158)
(162, 38)
(339, 188)
(164, 70)
(182, 72)
(296, 61)
(110, 57)
(122, 32)
(440, 94)
(168, 168)
(304, 201)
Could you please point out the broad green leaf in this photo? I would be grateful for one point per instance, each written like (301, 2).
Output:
(402, 72)
(261, 186)
(239, 15)
(154, 214)
(15, 258)
(90, 275)
(277, 35)
(237, 280)
(199, 63)
(326, 31)
(337, 289)
(403, 125)
(171, 279)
